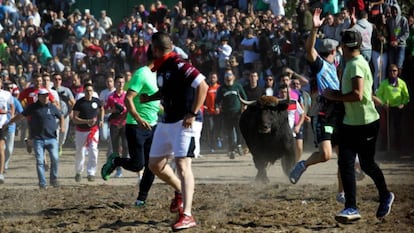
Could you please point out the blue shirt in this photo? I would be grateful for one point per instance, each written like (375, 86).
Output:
(43, 123)
(17, 109)
(326, 76)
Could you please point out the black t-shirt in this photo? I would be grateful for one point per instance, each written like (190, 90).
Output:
(174, 78)
(88, 109)
(43, 123)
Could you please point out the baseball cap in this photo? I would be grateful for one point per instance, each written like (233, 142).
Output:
(43, 91)
(351, 38)
(327, 45)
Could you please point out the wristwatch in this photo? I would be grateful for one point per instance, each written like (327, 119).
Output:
(194, 114)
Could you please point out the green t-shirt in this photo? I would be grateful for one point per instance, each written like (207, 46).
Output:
(360, 112)
(144, 81)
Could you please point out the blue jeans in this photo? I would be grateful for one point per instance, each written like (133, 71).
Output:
(396, 55)
(9, 147)
(39, 146)
(104, 135)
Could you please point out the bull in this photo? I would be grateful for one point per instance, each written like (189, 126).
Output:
(265, 128)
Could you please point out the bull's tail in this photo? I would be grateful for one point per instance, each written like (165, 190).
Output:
(288, 162)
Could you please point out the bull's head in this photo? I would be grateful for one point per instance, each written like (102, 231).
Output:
(266, 107)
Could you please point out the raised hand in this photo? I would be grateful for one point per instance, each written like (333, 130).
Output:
(317, 21)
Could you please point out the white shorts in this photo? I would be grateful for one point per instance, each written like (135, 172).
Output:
(172, 139)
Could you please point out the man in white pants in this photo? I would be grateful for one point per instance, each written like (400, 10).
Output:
(88, 114)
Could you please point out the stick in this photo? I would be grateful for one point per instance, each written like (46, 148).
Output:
(380, 65)
(388, 127)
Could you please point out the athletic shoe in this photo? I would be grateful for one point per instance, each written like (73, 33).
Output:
(239, 150)
(28, 143)
(109, 166)
(348, 215)
(297, 172)
(340, 197)
(91, 178)
(118, 173)
(54, 183)
(1, 179)
(139, 204)
(78, 178)
(184, 222)
(385, 206)
(231, 155)
(177, 203)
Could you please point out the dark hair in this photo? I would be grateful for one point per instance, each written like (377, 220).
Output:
(87, 85)
(283, 86)
(119, 76)
(161, 40)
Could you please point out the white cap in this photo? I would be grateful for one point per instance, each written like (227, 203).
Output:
(43, 91)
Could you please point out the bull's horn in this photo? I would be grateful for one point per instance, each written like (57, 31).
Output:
(246, 102)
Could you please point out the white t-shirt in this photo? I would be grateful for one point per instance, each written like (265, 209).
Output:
(291, 115)
(6, 100)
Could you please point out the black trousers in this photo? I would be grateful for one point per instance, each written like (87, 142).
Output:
(139, 145)
(359, 140)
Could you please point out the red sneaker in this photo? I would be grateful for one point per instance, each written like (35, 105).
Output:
(177, 203)
(184, 222)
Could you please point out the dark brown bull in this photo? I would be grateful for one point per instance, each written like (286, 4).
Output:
(265, 128)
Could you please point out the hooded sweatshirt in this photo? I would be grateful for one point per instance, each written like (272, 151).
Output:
(365, 28)
(398, 27)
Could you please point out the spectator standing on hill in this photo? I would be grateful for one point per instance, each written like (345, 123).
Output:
(250, 46)
(399, 32)
(393, 93)
(380, 35)
(364, 27)
(105, 21)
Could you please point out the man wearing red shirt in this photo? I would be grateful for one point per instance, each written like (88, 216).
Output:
(117, 120)
(212, 120)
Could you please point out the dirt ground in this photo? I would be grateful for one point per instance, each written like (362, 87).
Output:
(226, 200)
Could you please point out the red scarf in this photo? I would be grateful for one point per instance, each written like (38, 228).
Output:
(158, 63)
(91, 135)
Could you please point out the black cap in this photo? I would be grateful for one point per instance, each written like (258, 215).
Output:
(351, 38)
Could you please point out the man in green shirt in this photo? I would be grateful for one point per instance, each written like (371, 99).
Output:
(140, 126)
(359, 129)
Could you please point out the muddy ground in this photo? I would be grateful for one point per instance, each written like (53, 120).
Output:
(226, 200)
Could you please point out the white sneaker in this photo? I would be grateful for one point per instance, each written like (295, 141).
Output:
(340, 197)
(1, 179)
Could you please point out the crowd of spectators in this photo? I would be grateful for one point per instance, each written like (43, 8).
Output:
(258, 34)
